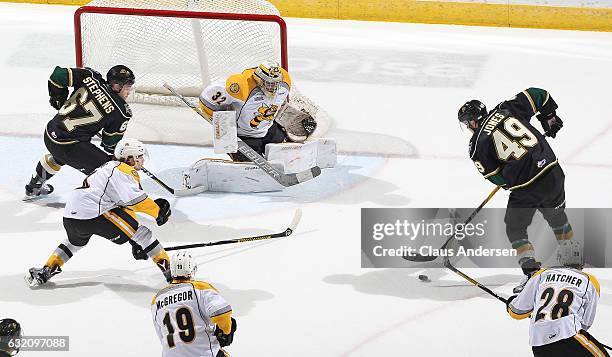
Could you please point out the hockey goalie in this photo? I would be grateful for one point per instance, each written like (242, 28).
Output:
(254, 107)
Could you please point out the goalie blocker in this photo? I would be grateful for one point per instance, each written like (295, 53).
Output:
(227, 176)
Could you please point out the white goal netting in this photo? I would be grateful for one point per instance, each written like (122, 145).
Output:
(187, 44)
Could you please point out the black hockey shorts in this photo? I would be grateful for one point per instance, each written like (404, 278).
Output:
(275, 134)
(580, 345)
(546, 194)
(117, 225)
(83, 156)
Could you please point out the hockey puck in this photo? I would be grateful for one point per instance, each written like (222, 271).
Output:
(424, 278)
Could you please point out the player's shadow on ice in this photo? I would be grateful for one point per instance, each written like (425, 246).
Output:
(73, 287)
(341, 186)
(24, 217)
(404, 283)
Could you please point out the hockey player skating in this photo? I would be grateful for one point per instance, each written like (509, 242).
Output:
(508, 151)
(95, 105)
(257, 96)
(190, 318)
(561, 302)
(105, 206)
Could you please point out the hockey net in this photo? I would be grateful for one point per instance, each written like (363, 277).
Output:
(188, 44)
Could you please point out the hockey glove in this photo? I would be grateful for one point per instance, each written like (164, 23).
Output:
(225, 340)
(551, 123)
(138, 252)
(57, 96)
(509, 301)
(164, 211)
(309, 124)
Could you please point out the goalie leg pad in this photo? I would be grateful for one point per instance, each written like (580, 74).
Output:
(225, 132)
(299, 157)
(227, 176)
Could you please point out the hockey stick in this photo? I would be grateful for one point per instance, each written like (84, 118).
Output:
(176, 192)
(287, 232)
(281, 177)
(448, 265)
(428, 258)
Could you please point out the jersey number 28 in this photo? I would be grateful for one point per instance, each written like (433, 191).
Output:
(184, 321)
(562, 306)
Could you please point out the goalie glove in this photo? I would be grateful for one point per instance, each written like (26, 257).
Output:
(164, 211)
(57, 95)
(225, 340)
(309, 124)
(551, 123)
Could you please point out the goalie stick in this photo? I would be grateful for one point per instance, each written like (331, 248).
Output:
(428, 258)
(284, 179)
(287, 232)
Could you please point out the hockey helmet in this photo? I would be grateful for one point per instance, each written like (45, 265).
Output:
(474, 110)
(120, 75)
(9, 328)
(130, 147)
(570, 254)
(183, 265)
(268, 76)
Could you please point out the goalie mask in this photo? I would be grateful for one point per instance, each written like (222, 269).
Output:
(182, 265)
(268, 76)
(9, 328)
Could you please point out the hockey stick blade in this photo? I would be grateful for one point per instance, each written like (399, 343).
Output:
(284, 179)
(448, 265)
(297, 216)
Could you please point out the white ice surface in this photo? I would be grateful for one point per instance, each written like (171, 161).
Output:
(306, 295)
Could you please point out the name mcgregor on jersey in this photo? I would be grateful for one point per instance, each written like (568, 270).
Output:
(175, 298)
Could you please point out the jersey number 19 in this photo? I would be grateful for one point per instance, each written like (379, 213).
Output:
(184, 321)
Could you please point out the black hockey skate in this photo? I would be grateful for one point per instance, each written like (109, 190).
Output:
(38, 276)
(529, 266)
(36, 189)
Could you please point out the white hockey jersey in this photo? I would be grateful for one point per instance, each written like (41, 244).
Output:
(560, 301)
(185, 314)
(255, 112)
(114, 184)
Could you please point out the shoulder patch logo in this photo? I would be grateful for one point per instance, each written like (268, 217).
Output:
(234, 88)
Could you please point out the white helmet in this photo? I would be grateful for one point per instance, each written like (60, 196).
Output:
(183, 265)
(569, 253)
(268, 76)
(130, 147)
